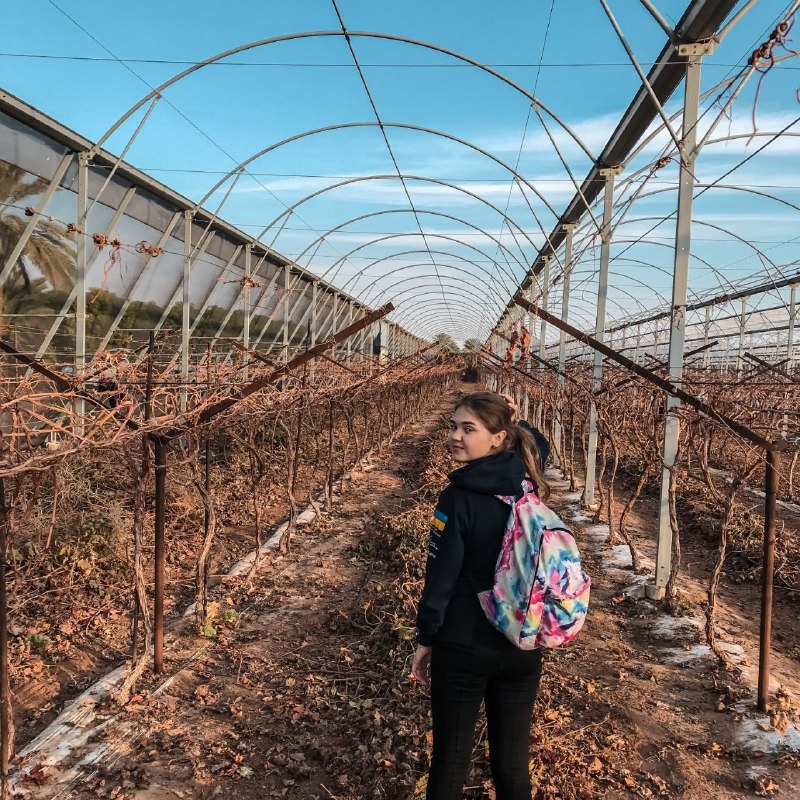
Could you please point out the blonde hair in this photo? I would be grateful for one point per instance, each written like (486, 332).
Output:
(495, 413)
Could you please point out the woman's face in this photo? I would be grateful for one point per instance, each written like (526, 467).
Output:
(469, 438)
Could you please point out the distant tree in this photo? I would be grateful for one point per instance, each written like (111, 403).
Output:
(48, 247)
(446, 343)
(472, 346)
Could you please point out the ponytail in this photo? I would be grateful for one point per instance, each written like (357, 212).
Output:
(523, 444)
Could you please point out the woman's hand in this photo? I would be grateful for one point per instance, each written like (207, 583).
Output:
(421, 666)
(512, 405)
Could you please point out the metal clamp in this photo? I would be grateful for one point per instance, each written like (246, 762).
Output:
(704, 48)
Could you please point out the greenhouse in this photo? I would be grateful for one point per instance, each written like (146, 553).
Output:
(257, 260)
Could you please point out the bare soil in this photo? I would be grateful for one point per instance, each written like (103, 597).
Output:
(295, 697)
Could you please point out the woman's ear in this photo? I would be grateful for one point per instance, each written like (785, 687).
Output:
(498, 439)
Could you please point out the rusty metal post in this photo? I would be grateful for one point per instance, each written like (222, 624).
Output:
(767, 574)
(207, 444)
(5, 700)
(792, 321)
(160, 453)
(148, 413)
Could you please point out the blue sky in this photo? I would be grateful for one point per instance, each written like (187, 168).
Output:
(225, 113)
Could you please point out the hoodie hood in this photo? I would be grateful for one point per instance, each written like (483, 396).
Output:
(500, 473)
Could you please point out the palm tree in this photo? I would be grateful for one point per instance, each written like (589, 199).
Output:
(47, 248)
(445, 342)
(472, 346)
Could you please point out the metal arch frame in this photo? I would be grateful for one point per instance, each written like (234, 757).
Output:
(402, 176)
(346, 34)
(399, 313)
(404, 312)
(430, 319)
(590, 273)
(432, 235)
(656, 244)
(363, 272)
(698, 22)
(463, 291)
(450, 284)
(387, 211)
(401, 126)
(157, 92)
(367, 289)
(705, 187)
(716, 272)
(611, 300)
(584, 297)
(437, 320)
(341, 225)
(632, 242)
(628, 202)
(705, 141)
(442, 264)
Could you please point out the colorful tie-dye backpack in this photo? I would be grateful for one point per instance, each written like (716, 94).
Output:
(540, 595)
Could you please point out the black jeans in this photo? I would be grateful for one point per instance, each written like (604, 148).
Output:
(507, 680)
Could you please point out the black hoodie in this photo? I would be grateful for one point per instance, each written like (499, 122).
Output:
(465, 536)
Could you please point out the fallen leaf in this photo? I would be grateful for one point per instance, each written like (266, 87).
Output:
(766, 786)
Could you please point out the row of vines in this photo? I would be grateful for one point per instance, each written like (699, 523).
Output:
(79, 482)
(715, 486)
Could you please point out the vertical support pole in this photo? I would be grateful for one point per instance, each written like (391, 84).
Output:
(160, 459)
(207, 453)
(638, 350)
(600, 327)
(656, 343)
(80, 282)
(767, 572)
(248, 288)
(314, 290)
(792, 321)
(286, 279)
(562, 338)
(246, 308)
(188, 219)
(543, 305)
(349, 322)
(680, 288)
(706, 335)
(740, 357)
(527, 367)
(5, 692)
(335, 319)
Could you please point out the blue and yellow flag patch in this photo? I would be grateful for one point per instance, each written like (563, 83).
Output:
(439, 520)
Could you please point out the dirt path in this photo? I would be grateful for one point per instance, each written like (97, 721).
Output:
(224, 716)
(693, 725)
(284, 699)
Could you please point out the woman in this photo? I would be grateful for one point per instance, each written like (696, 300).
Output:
(460, 655)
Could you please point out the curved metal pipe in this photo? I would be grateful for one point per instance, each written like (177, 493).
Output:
(388, 236)
(384, 212)
(401, 176)
(367, 289)
(347, 34)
